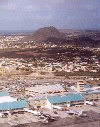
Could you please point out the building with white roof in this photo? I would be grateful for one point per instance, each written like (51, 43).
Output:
(44, 90)
(9, 103)
(7, 99)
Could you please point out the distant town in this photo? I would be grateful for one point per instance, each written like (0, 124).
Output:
(49, 79)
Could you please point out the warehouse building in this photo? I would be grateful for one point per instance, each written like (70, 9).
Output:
(44, 90)
(92, 95)
(72, 99)
(9, 103)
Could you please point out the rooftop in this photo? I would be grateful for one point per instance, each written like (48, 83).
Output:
(4, 93)
(7, 99)
(65, 98)
(91, 92)
(87, 86)
(46, 88)
(13, 105)
(9, 103)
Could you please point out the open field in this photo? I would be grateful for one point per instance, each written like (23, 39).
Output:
(93, 120)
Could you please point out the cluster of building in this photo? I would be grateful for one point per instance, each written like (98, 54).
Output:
(14, 66)
(11, 65)
(79, 63)
(56, 95)
(48, 97)
(15, 42)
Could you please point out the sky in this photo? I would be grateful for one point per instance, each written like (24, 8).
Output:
(28, 15)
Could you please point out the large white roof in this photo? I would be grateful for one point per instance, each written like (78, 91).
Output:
(5, 99)
(46, 88)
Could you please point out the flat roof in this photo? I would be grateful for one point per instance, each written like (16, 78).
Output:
(4, 93)
(46, 88)
(9, 103)
(91, 92)
(13, 105)
(65, 98)
(7, 99)
(86, 86)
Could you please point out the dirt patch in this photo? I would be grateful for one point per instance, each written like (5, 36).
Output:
(92, 120)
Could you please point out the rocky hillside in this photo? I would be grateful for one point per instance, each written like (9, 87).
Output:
(47, 34)
(55, 36)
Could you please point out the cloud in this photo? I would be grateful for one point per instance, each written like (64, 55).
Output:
(56, 1)
(46, 17)
(14, 7)
(34, 13)
(3, 1)
(29, 5)
(8, 7)
(30, 8)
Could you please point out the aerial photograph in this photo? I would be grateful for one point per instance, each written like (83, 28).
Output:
(49, 63)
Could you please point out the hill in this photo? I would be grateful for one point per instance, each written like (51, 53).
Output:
(84, 41)
(47, 34)
(70, 37)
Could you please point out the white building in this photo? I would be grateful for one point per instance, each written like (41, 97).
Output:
(44, 90)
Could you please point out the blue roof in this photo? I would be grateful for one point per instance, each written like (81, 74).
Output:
(91, 92)
(65, 98)
(13, 105)
(87, 86)
(4, 93)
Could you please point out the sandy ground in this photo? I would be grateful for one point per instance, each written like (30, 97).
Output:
(92, 120)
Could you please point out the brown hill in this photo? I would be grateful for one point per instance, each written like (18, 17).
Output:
(55, 36)
(47, 34)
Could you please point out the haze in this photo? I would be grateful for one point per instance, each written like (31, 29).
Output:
(18, 15)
